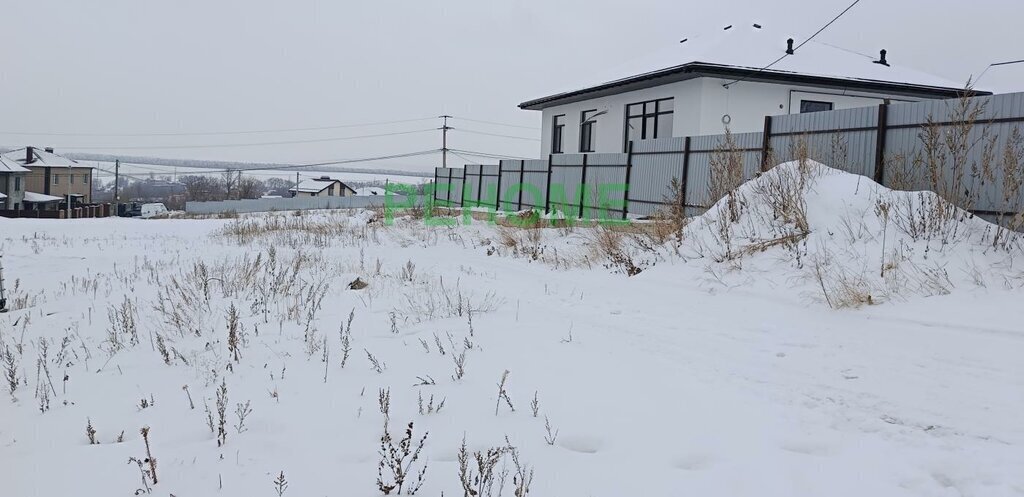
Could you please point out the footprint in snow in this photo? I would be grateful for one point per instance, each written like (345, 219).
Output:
(693, 462)
(808, 447)
(581, 444)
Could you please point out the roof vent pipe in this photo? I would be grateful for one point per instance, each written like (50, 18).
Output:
(881, 58)
(789, 47)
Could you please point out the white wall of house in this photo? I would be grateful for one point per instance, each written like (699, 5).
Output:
(15, 196)
(699, 107)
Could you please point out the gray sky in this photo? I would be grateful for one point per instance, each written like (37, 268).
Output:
(131, 66)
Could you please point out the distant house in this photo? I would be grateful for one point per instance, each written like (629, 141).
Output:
(41, 202)
(53, 174)
(12, 184)
(323, 186)
(704, 84)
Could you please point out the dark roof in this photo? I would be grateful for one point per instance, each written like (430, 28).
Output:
(702, 69)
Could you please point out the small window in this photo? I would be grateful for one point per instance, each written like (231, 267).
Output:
(587, 123)
(56, 179)
(330, 191)
(71, 179)
(814, 106)
(85, 179)
(557, 132)
(17, 183)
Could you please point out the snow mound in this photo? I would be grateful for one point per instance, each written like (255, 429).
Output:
(852, 240)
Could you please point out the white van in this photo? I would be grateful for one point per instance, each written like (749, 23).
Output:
(149, 210)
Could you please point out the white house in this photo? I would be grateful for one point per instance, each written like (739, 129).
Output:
(323, 186)
(12, 184)
(702, 84)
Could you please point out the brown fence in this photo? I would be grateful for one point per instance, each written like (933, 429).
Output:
(81, 212)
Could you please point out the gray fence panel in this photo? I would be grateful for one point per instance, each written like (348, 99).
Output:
(838, 138)
(655, 164)
(457, 182)
(440, 183)
(535, 179)
(605, 188)
(489, 185)
(510, 177)
(471, 183)
(825, 121)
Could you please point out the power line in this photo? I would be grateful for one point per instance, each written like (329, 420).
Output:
(328, 163)
(847, 50)
(997, 64)
(495, 134)
(252, 144)
(481, 121)
(787, 54)
(300, 166)
(486, 155)
(218, 133)
(463, 157)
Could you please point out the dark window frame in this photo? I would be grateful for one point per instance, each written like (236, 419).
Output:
(831, 106)
(587, 130)
(17, 183)
(644, 116)
(557, 134)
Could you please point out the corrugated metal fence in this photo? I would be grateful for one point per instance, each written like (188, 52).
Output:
(886, 143)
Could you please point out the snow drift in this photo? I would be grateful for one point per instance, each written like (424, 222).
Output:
(850, 240)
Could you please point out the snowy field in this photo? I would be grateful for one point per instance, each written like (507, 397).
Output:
(812, 335)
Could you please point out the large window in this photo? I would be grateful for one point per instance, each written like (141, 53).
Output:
(587, 124)
(814, 106)
(557, 133)
(649, 120)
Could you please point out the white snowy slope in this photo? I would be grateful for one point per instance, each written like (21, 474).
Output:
(701, 375)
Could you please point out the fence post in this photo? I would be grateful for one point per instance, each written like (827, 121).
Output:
(448, 199)
(547, 187)
(883, 126)
(522, 179)
(686, 172)
(583, 187)
(629, 173)
(497, 196)
(462, 192)
(766, 142)
(479, 183)
(435, 186)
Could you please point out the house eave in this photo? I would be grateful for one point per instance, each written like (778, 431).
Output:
(701, 69)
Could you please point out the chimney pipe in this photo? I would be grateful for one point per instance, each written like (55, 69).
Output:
(881, 58)
(29, 155)
(789, 47)
(49, 149)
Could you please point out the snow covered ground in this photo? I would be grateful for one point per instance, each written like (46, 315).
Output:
(745, 359)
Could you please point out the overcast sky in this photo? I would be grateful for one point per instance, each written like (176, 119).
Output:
(193, 66)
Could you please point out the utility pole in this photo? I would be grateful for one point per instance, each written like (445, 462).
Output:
(296, 194)
(444, 140)
(117, 181)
